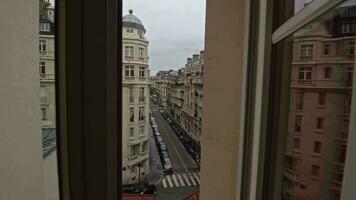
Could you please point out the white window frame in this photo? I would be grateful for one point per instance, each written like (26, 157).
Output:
(142, 71)
(141, 52)
(129, 51)
(131, 132)
(42, 45)
(266, 38)
(130, 70)
(45, 26)
(346, 28)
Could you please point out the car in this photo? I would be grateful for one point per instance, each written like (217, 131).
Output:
(150, 189)
(167, 166)
(156, 133)
(162, 146)
(164, 154)
(159, 139)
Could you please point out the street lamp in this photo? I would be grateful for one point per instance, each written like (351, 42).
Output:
(139, 165)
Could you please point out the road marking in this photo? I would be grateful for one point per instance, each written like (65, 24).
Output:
(169, 181)
(164, 183)
(175, 180)
(181, 180)
(196, 177)
(192, 179)
(186, 179)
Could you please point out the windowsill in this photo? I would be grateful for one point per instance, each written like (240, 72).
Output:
(318, 155)
(319, 131)
(321, 106)
(133, 157)
(141, 136)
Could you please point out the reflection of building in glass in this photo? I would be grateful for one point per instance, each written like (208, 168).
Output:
(47, 77)
(135, 92)
(321, 81)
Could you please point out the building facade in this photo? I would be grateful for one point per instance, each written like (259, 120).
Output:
(181, 94)
(135, 93)
(321, 83)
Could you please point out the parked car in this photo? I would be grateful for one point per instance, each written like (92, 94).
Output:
(159, 139)
(156, 133)
(164, 154)
(167, 166)
(150, 189)
(162, 146)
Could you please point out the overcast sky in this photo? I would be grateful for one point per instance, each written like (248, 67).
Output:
(174, 28)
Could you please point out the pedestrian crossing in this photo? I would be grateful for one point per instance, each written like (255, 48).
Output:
(181, 180)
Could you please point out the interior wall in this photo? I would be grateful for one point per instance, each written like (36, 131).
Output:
(21, 165)
(224, 42)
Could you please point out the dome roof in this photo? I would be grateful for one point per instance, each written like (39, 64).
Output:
(132, 21)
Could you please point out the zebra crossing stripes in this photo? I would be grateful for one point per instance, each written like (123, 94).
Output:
(169, 181)
(196, 178)
(192, 179)
(186, 179)
(181, 180)
(175, 180)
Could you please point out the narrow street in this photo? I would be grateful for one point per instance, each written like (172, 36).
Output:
(186, 176)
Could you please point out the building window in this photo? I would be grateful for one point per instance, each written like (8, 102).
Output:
(346, 28)
(144, 164)
(42, 68)
(46, 27)
(142, 131)
(350, 48)
(327, 48)
(300, 100)
(131, 133)
(346, 12)
(298, 124)
(43, 45)
(142, 72)
(133, 169)
(141, 113)
(129, 30)
(144, 147)
(142, 94)
(317, 147)
(129, 51)
(135, 150)
(140, 34)
(131, 95)
(132, 114)
(319, 123)
(327, 72)
(342, 156)
(141, 52)
(305, 73)
(44, 113)
(306, 50)
(315, 170)
(129, 71)
(296, 144)
(321, 99)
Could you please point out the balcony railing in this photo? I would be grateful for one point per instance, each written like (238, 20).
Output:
(320, 83)
(47, 76)
(141, 99)
(47, 53)
(44, 100)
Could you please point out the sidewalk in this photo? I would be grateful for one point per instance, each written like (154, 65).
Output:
(155, 161)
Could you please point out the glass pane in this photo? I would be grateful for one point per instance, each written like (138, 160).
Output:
(47, 97)
(319, 61)
(162, 104)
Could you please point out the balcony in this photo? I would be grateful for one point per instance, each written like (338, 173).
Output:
(332, 84)
(141, 99)
(44, 100)
(47, 54)
(44, 76)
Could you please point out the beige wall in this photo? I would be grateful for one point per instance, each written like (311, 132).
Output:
(222, 98)
(21, 168)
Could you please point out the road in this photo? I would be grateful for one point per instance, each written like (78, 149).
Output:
(180, 158)
(186, 176)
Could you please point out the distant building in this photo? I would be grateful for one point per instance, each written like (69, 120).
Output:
(135, 92)
(181, 93)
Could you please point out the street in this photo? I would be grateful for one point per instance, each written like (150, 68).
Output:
(186, 176)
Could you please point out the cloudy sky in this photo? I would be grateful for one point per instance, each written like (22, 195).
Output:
(175, 29)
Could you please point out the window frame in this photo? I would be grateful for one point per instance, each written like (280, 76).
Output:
(88, 146)
(262, 188)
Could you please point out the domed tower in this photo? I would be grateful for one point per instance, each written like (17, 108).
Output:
(135, 90)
